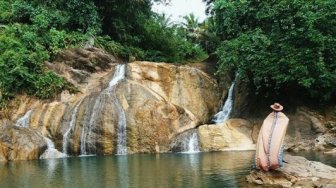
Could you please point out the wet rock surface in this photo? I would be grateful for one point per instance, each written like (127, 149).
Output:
(159, 100)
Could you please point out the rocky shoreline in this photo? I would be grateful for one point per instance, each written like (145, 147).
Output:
(296, 172)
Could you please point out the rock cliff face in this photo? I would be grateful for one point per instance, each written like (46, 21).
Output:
(310, 130)
(156, 100)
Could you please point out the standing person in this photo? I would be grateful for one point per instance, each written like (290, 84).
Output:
(270, 140)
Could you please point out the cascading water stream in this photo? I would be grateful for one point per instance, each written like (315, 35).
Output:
(193, 146)
(110, 91)
(71, 125)
(187, 142)
(50, 146)
(121, 135)
(24, 120)
(86, 132)
(226, 110)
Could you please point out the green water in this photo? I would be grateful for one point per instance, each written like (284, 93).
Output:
(217, 169)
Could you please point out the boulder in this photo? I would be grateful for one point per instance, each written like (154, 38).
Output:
(296, 172)
(234, 134)
(17, 143)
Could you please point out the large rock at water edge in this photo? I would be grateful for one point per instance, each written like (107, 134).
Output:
(234, 134)
(298, 172)
(17, 143)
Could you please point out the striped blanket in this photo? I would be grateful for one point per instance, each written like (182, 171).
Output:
(270, 141)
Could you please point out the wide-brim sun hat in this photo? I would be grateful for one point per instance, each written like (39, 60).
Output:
(276, 107)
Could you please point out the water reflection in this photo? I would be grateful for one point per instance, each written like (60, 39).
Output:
(122, 169)
(220, 169)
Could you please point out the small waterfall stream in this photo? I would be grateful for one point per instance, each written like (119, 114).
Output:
(110, 91)
(71, 125)
(192, 143)
(51, 151)
(121, 135)
(24, 120)
(187, 142)
(226, 110)
(87, 129)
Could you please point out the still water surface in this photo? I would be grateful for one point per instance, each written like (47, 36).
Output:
(217, 169)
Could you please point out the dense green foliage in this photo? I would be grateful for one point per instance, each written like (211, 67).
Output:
(34, 31)
(279, 44)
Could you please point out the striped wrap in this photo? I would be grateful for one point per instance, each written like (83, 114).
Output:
(270, 141)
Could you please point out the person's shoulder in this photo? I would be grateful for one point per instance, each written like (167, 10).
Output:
(282, 115)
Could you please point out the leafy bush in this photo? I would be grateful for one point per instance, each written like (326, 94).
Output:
(44, 89)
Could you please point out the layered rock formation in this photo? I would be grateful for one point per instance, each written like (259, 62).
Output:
(159, 101)
(297, 172)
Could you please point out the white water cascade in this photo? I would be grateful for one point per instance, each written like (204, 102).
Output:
(24, 120)
(193, 146)
(71, 125)
(110, 91)
(121, 135)
(87, 129)
(189, 143)
(226, 110)
(51, 151)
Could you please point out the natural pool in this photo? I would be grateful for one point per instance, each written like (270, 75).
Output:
(216, 169)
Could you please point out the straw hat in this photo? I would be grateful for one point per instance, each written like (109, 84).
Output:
(277, 107)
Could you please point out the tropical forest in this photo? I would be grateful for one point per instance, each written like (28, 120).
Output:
(120, 93)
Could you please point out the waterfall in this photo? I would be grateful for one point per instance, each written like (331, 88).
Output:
(71, 125)
(87, 130)
(110, 91)
(50, 143)
(51, 151)
(24, 120)
(225, 112)
(121, 135)
(193, 146)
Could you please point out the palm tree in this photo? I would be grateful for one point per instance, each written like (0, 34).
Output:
(190, 21)
(164, 20)
(192, 26)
